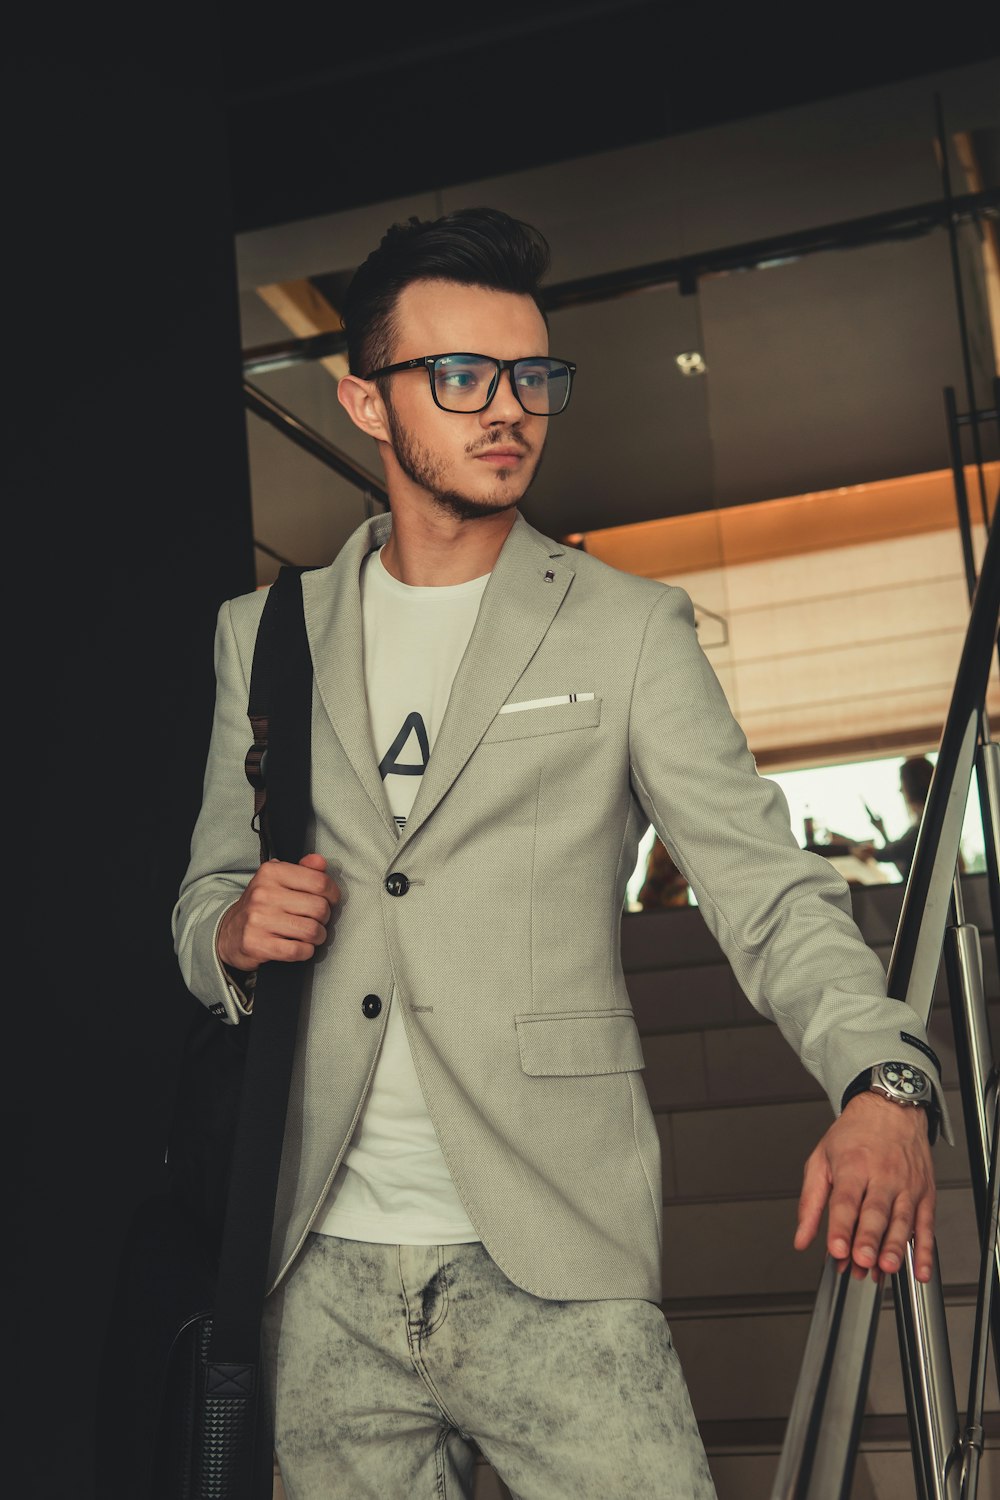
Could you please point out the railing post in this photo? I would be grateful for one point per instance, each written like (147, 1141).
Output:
(975, 1060)
(988, 783)
(817, 1457)
(973, 1437)
(961, 492)
(838, 1368)
(928, 1383)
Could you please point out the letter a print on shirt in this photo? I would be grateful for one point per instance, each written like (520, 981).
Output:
(391, 765)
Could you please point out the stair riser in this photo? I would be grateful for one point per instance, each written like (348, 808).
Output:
(748, 1366)
(762, 1148)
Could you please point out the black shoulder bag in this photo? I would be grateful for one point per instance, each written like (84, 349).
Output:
(182, 1415)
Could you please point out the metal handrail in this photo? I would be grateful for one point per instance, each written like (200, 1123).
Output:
(311, 441)
(973, 1436)
(821, 1440)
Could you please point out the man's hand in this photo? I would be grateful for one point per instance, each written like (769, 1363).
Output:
(282, 914)
(874, 1166)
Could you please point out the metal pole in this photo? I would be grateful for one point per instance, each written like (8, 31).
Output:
(963, 323)
(975, 1063)
(988, 784)
(842, 1334)
(961, 493)
(973, 1437)
(928, 1382)
(311, 441)
(833, 1408)
(831, 1403)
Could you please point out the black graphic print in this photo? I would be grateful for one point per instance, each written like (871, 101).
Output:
(391, 765)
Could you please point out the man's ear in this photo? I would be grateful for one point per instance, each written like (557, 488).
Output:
(365, 407)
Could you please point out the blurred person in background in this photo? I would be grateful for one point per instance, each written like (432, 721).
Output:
(914, 784)
(664, 885)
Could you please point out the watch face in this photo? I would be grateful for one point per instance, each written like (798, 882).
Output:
(904, 1078)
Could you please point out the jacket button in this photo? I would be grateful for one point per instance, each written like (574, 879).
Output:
(371, 1005)
(397, 884)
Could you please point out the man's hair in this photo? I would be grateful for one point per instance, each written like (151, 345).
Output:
(915, 778)
(476, 246)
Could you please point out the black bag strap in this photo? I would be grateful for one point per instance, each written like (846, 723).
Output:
(280, 711)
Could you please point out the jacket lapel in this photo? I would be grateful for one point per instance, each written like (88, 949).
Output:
(528, 584)
(332, 598)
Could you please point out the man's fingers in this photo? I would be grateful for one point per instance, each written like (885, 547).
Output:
(318, 863)
(286, 950)
(278, 874)
(845, 1206)
(313, 862)
(267, 922)
(263, 902)
(923, 1247)
(878, 1160)
(283, 914)
(300, 877)
(897, 1234)
(812, 1200)
(873, 1221)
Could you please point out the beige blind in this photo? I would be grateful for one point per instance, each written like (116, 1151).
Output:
(834, 620)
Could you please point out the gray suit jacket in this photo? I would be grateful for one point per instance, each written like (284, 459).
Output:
(504, 951)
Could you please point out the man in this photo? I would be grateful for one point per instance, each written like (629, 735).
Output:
(467, 1237)
(914, 786)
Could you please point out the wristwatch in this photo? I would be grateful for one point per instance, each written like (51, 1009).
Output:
(903, 1083)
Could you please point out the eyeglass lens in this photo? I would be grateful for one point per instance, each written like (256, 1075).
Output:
(462, 383)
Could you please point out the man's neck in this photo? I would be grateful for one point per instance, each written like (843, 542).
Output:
(432, 551)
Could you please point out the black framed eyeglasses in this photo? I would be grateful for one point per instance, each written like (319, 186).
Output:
(468, 382)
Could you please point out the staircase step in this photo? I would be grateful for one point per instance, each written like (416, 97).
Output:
(745, 1247)
(648, 936)
(745, 1364)
(742, 1150)
(488, 1485)
(678, 977)
(881, 1472)
(732, 1065)
(701, 996)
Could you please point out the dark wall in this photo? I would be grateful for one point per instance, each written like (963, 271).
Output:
(127, 494)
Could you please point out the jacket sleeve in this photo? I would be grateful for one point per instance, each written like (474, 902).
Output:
(224, 848)
(781, 915)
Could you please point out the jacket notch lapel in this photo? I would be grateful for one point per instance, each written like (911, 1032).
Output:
(529, 581)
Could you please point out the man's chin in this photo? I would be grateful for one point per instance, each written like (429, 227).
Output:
(477, 508)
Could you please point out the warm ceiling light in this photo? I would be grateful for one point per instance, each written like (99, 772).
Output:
(692, 363)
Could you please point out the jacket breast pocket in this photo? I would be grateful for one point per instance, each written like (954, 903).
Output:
(556, 718)
(573, 1043)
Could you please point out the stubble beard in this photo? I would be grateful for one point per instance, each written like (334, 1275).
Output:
(423, 469)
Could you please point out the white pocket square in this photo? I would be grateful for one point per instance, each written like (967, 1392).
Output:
(517, 708)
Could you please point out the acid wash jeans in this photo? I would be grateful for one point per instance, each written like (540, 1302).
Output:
(389, 1365)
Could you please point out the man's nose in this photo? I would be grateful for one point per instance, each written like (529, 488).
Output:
(505, 406)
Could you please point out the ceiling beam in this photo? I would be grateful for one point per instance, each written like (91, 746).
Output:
(305, 312)
(685, 271)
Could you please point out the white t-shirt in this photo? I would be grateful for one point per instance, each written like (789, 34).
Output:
(393, 1186)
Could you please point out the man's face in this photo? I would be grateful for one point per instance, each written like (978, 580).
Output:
(470, 464)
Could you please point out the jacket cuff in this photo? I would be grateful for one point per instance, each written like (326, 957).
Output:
(234, 1002)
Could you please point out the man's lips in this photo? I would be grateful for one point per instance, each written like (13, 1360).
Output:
(502, 456)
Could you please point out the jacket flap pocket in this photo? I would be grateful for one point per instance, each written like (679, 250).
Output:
(554, 719)
(567, 1043)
